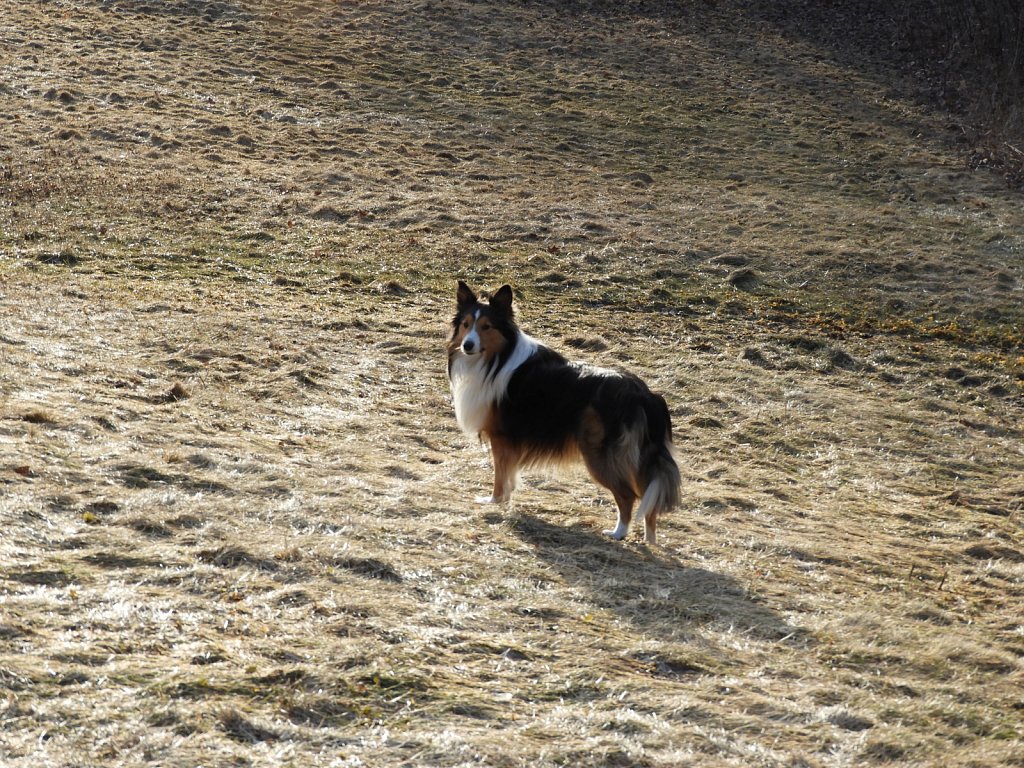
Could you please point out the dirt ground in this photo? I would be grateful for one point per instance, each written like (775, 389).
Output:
(237, 516)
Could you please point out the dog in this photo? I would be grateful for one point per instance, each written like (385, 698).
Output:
(536, 408)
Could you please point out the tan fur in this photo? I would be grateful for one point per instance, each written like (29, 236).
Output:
(616, 471)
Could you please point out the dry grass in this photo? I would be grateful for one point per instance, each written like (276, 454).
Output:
(237, 526)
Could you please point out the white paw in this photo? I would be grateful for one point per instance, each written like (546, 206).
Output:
(489, 500)
(619, 533)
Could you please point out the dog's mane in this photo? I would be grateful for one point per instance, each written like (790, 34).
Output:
(478, 385)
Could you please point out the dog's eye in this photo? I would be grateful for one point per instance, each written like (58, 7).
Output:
(465, 323)
(485, 326)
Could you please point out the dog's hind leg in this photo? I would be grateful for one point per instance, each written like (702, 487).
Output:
(651, 527)
(624, 501)
(662, 493)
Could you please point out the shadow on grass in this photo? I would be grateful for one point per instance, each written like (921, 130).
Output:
(650, 587)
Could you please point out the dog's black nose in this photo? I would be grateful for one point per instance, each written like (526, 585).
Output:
(467, 346)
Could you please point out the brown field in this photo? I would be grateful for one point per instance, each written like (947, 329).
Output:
(237, 516)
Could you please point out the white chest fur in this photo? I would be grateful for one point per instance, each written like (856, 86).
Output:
(476, 389)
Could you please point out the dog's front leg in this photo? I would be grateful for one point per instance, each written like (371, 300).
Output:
(506, 472)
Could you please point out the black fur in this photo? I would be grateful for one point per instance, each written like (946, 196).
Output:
(547, 397)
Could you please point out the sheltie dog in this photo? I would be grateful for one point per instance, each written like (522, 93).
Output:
(535, 407)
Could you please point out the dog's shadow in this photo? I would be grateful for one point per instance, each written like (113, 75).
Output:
(649, 587)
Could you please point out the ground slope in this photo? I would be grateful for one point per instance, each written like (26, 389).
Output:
(237, 525)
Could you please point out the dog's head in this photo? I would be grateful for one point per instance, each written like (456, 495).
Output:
(483, 328)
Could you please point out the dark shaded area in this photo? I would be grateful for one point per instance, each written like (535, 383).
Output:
(648, 587)
(117, 560)
(42, 578)
(234, 557)
(369, 567)
(207, 10)
(967, 55)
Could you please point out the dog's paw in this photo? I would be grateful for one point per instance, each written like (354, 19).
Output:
(486, 500)
(617, 533)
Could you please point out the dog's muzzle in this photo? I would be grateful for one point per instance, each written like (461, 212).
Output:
(471, 344)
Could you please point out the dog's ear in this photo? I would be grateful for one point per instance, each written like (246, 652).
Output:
(465, 296)
(502, 300)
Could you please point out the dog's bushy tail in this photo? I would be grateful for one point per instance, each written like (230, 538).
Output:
(659, 467)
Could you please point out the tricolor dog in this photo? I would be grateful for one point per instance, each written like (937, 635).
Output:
(534, 407)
